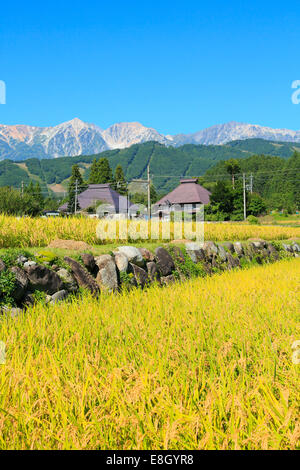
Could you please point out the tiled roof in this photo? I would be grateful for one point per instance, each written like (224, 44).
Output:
(188, 192)
(101, 192)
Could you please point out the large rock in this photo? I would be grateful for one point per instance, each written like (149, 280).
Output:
(146, 254)
(166, 280)
(58, 296)
(272, 252)
(195, 251)
(107, 275)
(121, 261)
(70, 283)
(222, 253)
(88, 261)
(238, 248)
(42, 278)
(141, 276)
(82, 276)
(210, 249)
(178, 255)
(21, 283)
(164, 261)
(153, 272)
(229, 246)
(133, 254)
(296, 248)
(232, 261)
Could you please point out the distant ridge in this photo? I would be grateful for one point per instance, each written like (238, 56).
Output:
(76, 137)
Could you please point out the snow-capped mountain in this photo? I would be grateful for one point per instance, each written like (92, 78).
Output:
(223, 133)
(76, 137)
(124, 134)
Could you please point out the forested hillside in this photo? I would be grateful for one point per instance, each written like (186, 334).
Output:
(167, 164)
(276, 179)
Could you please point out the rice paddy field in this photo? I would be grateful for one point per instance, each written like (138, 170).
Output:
(204, 364)
(35, 232)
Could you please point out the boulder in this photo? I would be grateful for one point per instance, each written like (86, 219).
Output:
(88, 261)
(164, 261)
(287, 247)
(69, 282)
(296, 248)
(178, 255)
(42, 278)
(153, 272)
(229, 246)
(238, 248)
(210, 249)
(146, 254)
(222, 253)
(232, 261)
(82, 276)
(121, 261)
(11, 312)
(195, 251)
(58, 296)
(28, 264)
(141, 276)
(2, 266)
(133, 254)
(107, 275)
(166, 280)
(29, 300)
(21, 283)
(21, 259)
(272, 252)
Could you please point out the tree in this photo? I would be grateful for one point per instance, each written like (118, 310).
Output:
(101, 172)
(233, 167)
(93, 178)
(76, 184)
(120, 183)
(222, 197)
(257, 205)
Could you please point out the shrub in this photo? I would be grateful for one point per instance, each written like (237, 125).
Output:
(253, 220)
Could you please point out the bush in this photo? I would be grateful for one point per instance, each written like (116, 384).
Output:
(253, 220)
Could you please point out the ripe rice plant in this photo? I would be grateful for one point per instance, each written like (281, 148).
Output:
(206, 364)
(26, 232)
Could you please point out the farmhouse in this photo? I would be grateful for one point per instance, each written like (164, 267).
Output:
(187, 196)
(103, 193)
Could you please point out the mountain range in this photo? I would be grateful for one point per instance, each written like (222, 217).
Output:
(76, 137)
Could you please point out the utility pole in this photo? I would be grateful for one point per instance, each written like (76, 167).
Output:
(149, 197)
(76, 196)
(22, 188)
(244, 196)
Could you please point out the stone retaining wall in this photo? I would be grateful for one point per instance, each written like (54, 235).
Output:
(129, 267)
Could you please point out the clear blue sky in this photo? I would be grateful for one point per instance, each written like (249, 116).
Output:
(178, 66)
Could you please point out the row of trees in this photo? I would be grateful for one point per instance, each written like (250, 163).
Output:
(29, 200)
(100, 173)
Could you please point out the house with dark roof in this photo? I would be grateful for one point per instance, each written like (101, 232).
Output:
(187, 196)
(95, 193)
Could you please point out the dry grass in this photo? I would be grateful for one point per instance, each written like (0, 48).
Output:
(200, 365)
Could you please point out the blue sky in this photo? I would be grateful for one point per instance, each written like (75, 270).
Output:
(172, 65)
